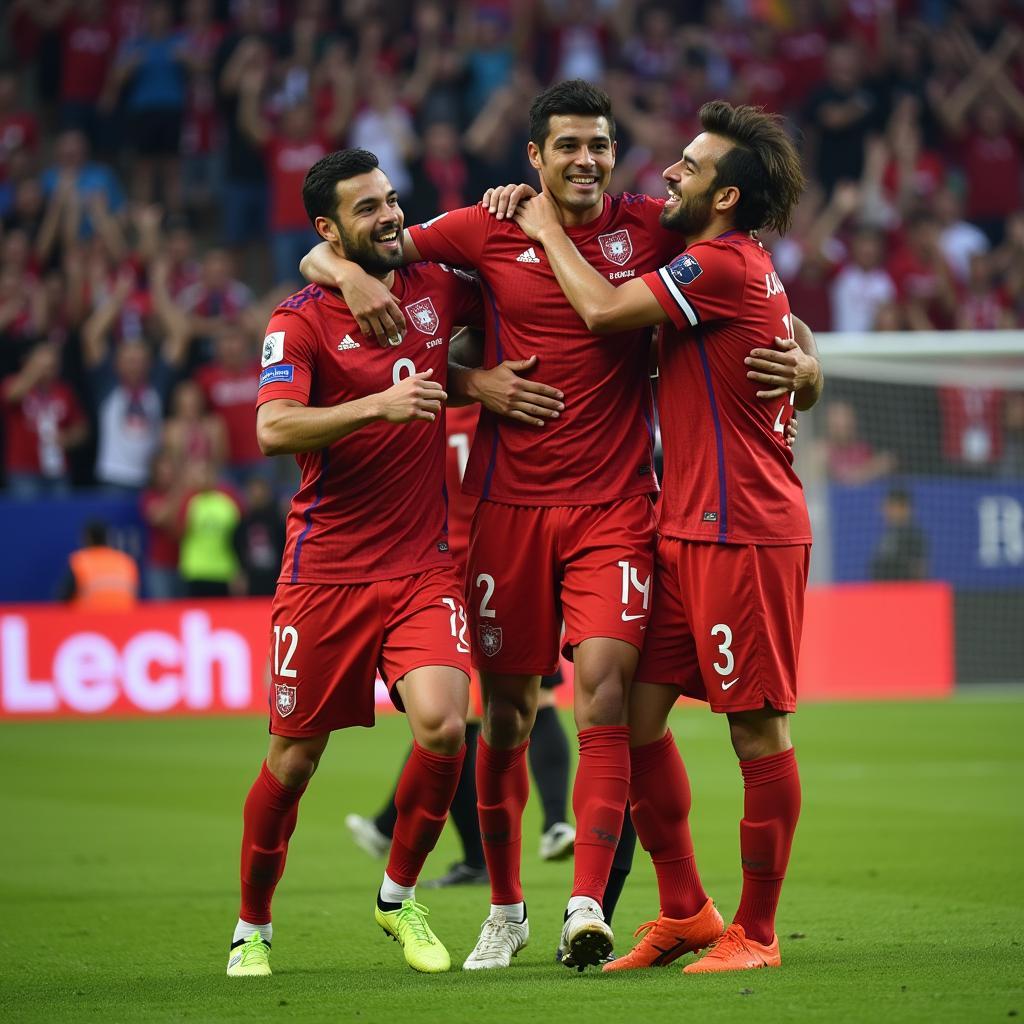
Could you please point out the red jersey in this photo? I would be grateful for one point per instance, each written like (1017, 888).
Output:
(728, 473)
(288, 160)
(231, 394)
(33, 426)
(87, 52)
(370, 506)
(600, 448)
(460, 426)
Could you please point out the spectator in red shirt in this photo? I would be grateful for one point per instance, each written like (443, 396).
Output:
(803, 48)
(193, 431)
(43, 421)
(441, 177)
(88, 48)
(993, 162)
(18, 128)
(161, 502)
(849, 459)
(217, 296)
(230, 384)
(924, 280)
(761, 78)
(290, 148)
(985, 306)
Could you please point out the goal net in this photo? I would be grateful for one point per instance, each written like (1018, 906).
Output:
(913, 464)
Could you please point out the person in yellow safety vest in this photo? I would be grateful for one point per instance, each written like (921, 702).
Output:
(101, 578)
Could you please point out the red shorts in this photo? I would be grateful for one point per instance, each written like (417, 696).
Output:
(726, 622)
(532, 568)
(327, 644)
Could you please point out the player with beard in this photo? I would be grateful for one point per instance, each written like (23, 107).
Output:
(574, 499)
(367, 583)
(733, 530)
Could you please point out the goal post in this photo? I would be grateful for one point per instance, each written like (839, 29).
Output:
(913, 466)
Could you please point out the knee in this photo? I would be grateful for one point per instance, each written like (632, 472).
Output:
(601, 701)
(292, 767)
(759, 735)
(507, 724)
(443, 735)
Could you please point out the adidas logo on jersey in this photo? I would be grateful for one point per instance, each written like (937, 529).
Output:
(527, 257)
(346, 343)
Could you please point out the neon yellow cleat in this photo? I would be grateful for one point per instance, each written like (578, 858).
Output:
(249, 959)
(408, 926)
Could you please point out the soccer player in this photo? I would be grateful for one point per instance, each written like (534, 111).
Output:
(564, 526)
(733, 530)
(367, 581)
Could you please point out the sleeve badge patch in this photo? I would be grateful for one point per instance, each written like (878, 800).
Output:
(273, 348)
(277, 375)
(685, 269)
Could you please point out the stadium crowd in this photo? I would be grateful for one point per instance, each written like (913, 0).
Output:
(152, 155)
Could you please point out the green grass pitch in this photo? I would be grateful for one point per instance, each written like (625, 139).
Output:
(118, 881)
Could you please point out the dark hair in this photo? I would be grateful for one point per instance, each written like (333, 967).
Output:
(763, 164)
(318, 193)
(575, 96)
(899, 495)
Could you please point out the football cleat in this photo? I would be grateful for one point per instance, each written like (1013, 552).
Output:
(459, 873)
(735, 952)
(586, 938)
(558, 841)
(408, 926)
(367, 836)
(667, 939)
(249, 958)
(500, 940)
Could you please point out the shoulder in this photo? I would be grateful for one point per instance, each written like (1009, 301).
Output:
(635, 205)
(302, 304)
(452, 277)
(725, 257)
(465, 216)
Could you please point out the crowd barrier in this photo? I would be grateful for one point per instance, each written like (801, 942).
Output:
(870, 641)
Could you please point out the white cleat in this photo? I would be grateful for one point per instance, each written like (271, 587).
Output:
(500, 940)
(367, 836)
(558, 841)
(586, 939)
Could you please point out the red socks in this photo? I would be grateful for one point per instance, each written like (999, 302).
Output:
(599, 803)
(659, 796)
(502, 786)
(269, 817)
(425, 792)
(771, 807)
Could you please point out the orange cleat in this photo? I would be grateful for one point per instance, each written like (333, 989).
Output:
(668, 939)
(735, 952)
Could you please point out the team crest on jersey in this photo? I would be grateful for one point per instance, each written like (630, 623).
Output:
(685, 269)
(284, 699)
(617, 247)
(423, 316)
(490, 639)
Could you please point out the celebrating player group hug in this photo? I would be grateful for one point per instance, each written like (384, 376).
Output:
(695, 589)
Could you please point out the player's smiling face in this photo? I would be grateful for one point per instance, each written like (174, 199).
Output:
(692, 197)
(370, 223)
(576, 163)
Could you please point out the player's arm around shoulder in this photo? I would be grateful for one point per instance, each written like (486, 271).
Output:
(603, 307)
(793, 365)
(372, 304)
